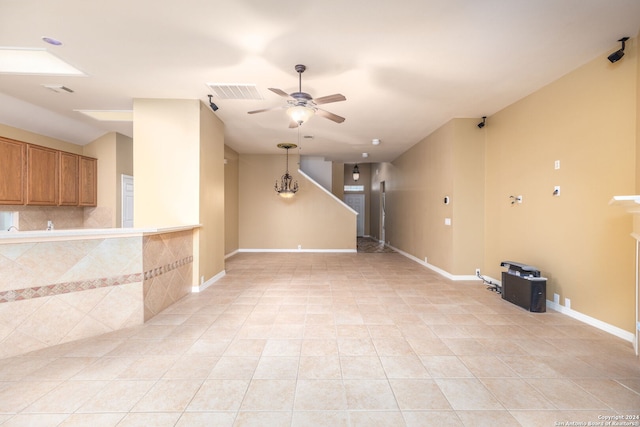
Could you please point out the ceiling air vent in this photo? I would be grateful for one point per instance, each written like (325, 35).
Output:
(58, 88)
(234, 91)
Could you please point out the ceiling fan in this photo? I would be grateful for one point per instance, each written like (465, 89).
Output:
(301, 106)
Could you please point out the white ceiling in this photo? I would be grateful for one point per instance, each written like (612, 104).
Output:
(406, 67)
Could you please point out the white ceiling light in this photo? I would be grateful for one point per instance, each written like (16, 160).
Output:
(34, 61)
(109, 115)
(300, 113)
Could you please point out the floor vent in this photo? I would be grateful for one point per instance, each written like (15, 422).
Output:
(234, 91)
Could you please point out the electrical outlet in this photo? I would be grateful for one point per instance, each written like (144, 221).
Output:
(567, 303)
(519, 199)
(556, 190)
(556, 164)
(299, 247)
(477, 271)
(556, 299)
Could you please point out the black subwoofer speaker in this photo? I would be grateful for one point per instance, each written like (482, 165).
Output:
(527, 292)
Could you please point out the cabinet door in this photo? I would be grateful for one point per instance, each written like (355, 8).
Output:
(69, 179)
(88, 181)
(42, 176)
(12, 171)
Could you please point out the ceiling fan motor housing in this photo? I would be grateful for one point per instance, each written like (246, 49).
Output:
(304, 105)
(301, 98)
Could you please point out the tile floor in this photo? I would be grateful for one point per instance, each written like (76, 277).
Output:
(330, 340)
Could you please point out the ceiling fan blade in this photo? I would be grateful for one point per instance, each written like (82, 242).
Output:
(280, 92)
(327, 115)
(263, 110)
(293, 124)
(329, 98)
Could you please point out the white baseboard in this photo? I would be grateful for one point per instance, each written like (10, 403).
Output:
(438, 270)
(300, 250)
(229, 255)
(603, 326)
(205, 285)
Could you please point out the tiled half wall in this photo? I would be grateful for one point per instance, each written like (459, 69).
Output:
(53, 292)
(168, 270)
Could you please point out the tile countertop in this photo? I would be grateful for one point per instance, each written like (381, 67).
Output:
(85, 233)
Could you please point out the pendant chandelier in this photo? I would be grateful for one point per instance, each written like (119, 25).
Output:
(288, 187)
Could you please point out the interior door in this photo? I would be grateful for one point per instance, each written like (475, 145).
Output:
(356, 202)
(127, 201)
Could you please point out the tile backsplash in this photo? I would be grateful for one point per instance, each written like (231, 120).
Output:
(35, 217)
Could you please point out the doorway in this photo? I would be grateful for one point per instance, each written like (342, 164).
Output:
(356, 202)
(127, 201)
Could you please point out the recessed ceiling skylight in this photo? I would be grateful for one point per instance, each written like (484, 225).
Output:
(109, 115)
(34, 61)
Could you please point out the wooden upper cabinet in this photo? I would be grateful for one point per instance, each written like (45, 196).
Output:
(88, 181)
(69, 179)
(35, 175)
(12, 171)
(42, 175)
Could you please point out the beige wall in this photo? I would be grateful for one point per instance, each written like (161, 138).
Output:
(449, 162)
(312, 219)
(178, 155)
(34, 138)
(103, 149)
(231, 197)
(212, 200)
(633, 44)
(115, 157)
(166, 155)
(588, 121)
(467, 200)
(337, 180)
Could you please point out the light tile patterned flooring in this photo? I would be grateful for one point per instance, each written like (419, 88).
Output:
(330, 340)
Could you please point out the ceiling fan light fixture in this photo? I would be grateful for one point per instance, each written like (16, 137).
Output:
(300, 113)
